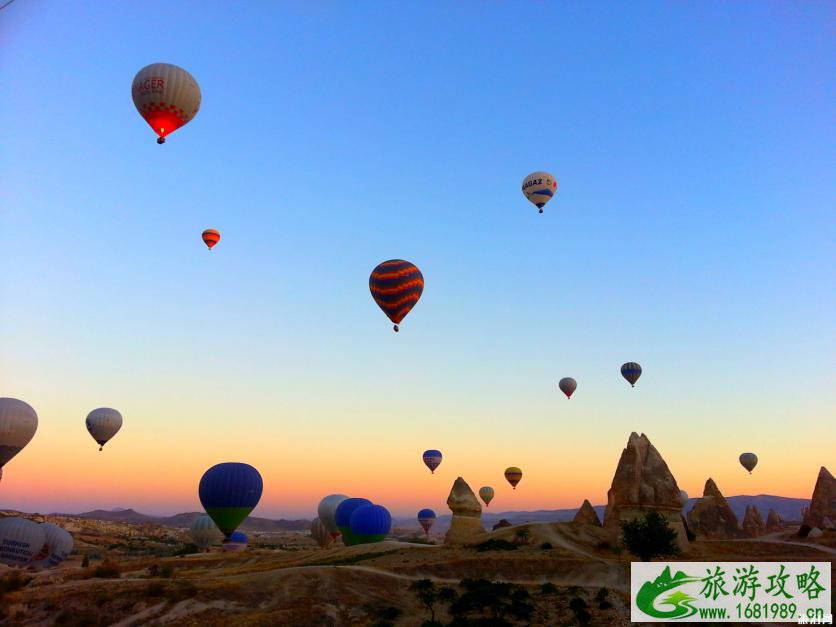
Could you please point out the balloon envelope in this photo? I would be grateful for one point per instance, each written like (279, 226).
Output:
(539, 188)
(432, 459)
(396, 285)
(103, 423)
(58, 544)
(513, 476)
(236, 541)
(327, 511)
(229, 492)
(568, 385)
(343, 518)
(320, 533)
(749, 461)
(486, 493)
(166, 96)
(370, 523)
(211, 237)
(20, 541)
(426, 518)
(18, 423)
(204, 532)
(631, 371)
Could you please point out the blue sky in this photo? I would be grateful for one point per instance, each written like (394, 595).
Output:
(692, 231)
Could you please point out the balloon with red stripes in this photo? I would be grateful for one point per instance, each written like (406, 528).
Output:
(396, 285)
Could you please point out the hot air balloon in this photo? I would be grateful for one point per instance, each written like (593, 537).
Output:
(486, 494)
(166, 96)
(396, 286)
(58, 545)
(327, 511)
(234, 542)
(204, 532)
(370, 523)
(320, 533)
(18, 423)
(513, 476)
(683, 497)
(20, 541)
(432, 459)
(568, 385)
(103, 423)
(539, 188)
(631, 371)
(749, 461)
(343, 518)
(229, 492)
(211, 237)
(426, 518)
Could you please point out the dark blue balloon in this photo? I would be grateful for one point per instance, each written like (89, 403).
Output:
(371, 523)
(237, 536)
(426, 513)
(346, 508)
(229, 492)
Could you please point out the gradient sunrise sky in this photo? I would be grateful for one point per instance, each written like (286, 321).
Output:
(692, 232)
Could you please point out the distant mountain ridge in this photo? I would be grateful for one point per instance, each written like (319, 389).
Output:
(252, 523)
(788, 508)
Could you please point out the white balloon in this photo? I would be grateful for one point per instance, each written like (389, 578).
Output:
(57, 547)
(205, 532)
(103, 423)
(18, 423)
(327, 511)
(320, 533)
(539, 188)
(166, 96)
(20, 541)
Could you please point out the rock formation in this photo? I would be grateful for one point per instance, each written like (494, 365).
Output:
(753, 525)
(822, 513)
(712, 517)
(643, 482)
(502, 523)
(466, 525)
(586, 515)
(774, 521)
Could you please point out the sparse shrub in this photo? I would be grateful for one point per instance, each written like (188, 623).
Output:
(427, 595)
(580, 608)
(601, 599)
(649, 537)
(447, 595)
(495, 544)
(107, 570)
(548, 588)
(522, 535)
(156, 570)
(546, 546)
(85, 563)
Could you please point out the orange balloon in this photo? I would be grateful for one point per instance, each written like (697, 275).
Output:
(211, 237)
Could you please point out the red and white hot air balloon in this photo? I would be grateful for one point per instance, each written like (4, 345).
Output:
(166, 96)
(211, 237)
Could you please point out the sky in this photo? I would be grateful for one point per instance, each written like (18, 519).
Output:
(692, 232)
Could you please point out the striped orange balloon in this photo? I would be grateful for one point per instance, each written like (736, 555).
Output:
(211, 237)
(396, 285)
(513, 476)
